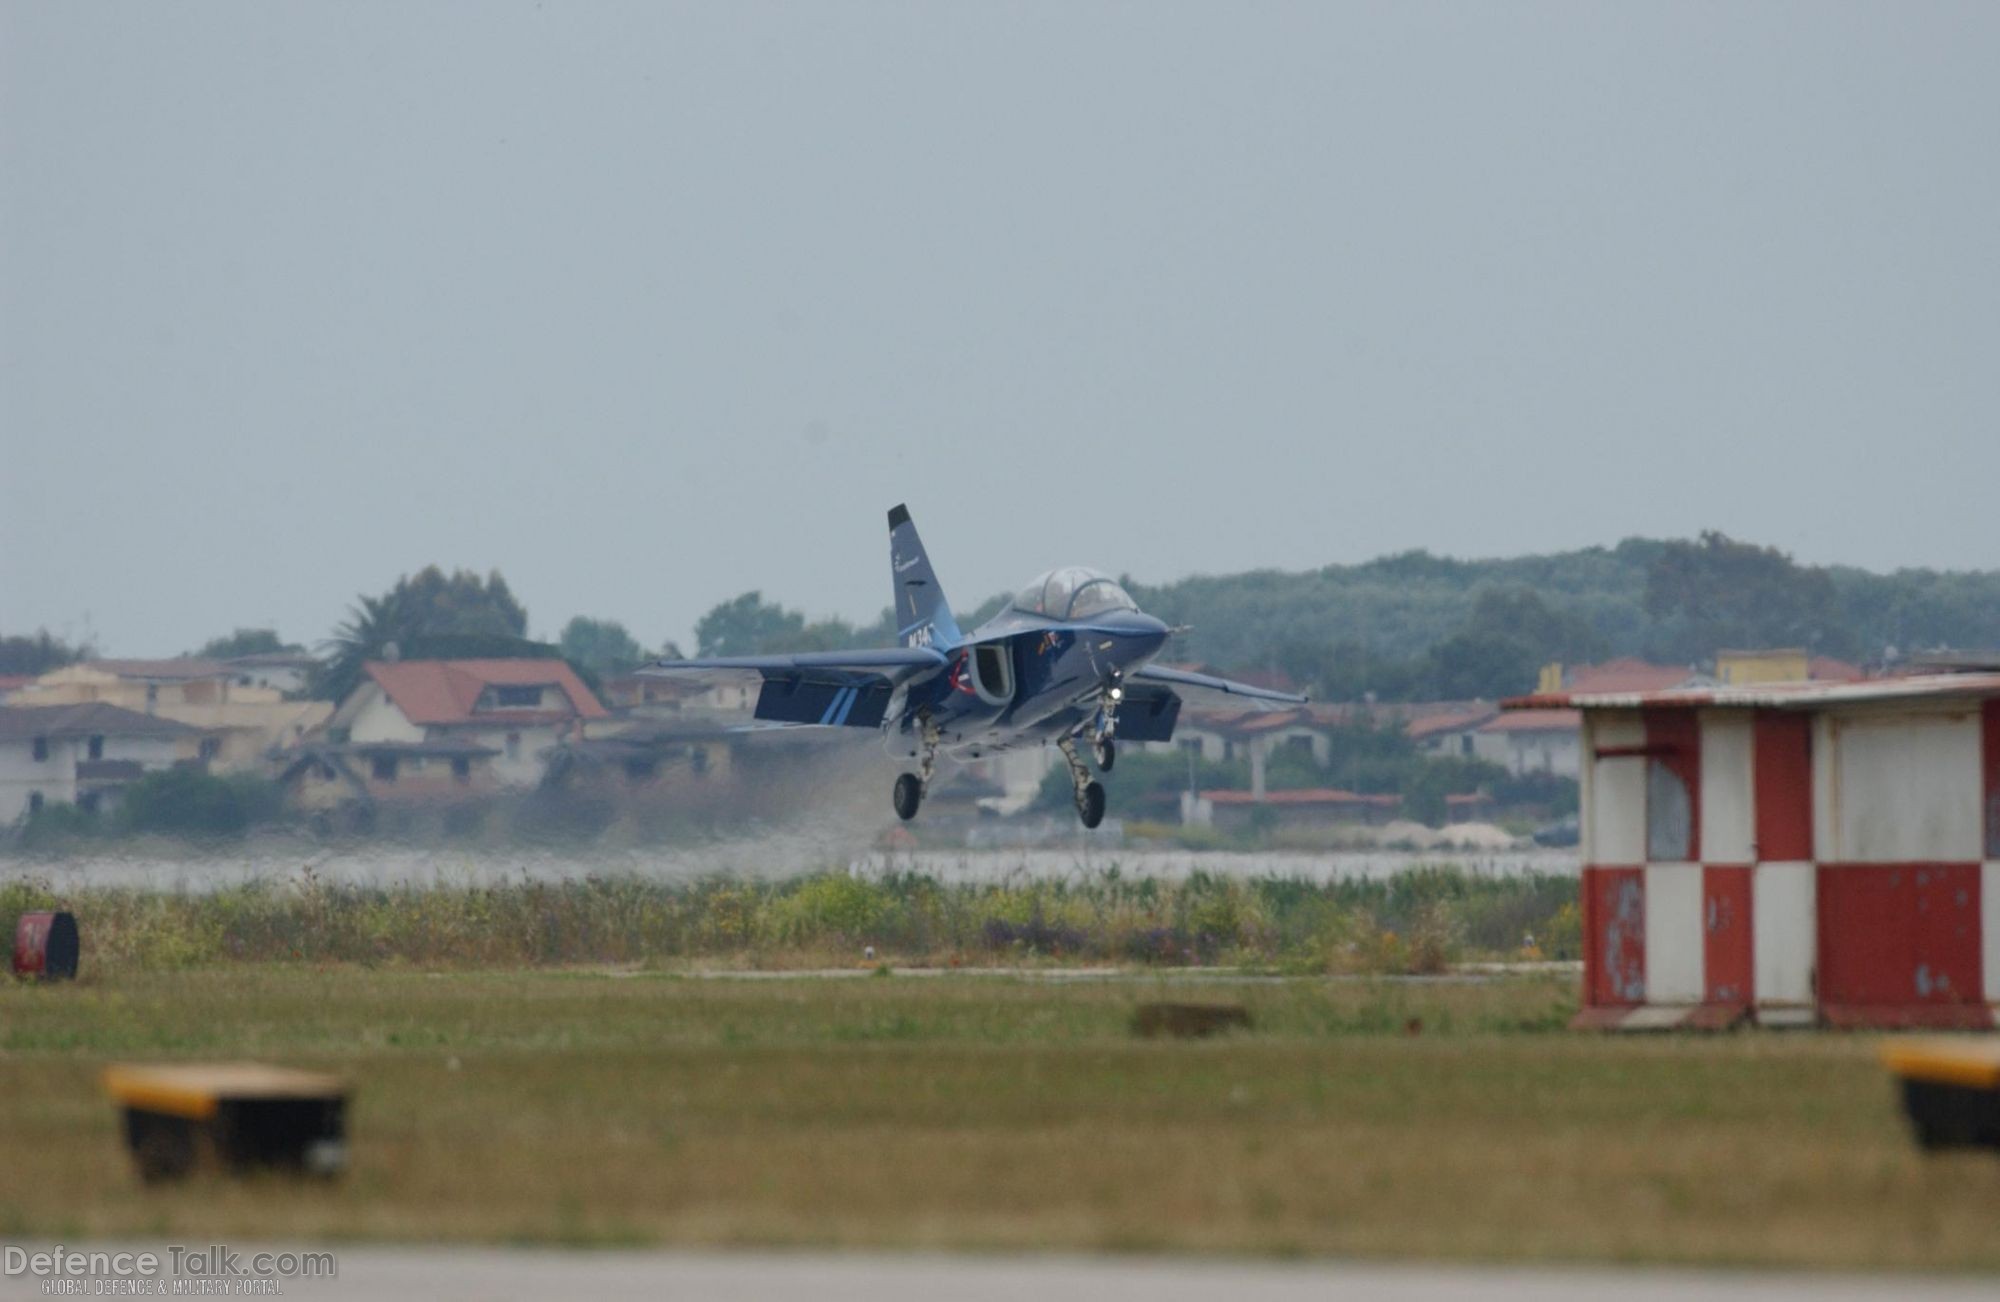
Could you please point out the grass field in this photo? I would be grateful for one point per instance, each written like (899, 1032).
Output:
(597, 1106)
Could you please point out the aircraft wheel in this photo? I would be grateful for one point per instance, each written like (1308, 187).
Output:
(909, 794)
(1091, 808)
(1105, 753)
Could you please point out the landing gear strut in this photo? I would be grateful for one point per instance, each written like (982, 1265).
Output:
(1089, 794)
(1102, 725)
(911, 787)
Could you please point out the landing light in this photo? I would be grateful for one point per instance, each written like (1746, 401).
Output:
(1117, 693)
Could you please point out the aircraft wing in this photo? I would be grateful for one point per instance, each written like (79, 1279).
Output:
(830, 688)
(1215, 693)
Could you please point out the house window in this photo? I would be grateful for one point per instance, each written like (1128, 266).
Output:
(383, 767)
(640, 769)
(41, 748)
(461, 769)
(34, 802)
(152, 694)
(1465, 745)
(97, 748)
(698, 759)
(210, 747)
(517, 698)
(513, 745)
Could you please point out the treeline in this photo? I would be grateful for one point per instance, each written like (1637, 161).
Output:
(1408, 627)
(1420, 627)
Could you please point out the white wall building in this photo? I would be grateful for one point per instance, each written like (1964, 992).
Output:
(79, 754)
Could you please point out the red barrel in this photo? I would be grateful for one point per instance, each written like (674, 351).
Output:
(45, 946)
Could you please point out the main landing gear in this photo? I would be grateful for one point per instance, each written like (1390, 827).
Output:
(910, 787)
(1089, 794)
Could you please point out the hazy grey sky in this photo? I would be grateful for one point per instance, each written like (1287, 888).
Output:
(650, 304)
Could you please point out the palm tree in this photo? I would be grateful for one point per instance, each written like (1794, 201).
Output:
(373, 627)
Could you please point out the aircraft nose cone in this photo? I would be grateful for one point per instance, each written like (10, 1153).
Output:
(1149, 633)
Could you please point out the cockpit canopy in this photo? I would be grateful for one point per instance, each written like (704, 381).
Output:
(1073, 592)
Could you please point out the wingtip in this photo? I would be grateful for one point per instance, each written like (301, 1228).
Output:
(899, 514)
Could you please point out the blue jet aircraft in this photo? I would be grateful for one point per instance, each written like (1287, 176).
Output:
(1069, 659)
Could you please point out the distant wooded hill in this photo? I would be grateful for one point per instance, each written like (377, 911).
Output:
(1416, 624)
(1423, 627)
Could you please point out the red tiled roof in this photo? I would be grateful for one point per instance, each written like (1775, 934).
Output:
(1430, 725)
(1628, 674)
(445, 691)
(1308, 796)
(1535, 721)
(1825, 669)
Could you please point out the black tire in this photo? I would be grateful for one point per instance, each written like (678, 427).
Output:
(1105, 753)
(1091, 808)
(909, 794)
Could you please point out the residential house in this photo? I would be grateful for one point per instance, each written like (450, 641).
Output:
(322, 777)
(1235, 811)
(1782, 665)
(1625, 674)
(1446, 730)
(288, 673)
(81, 755)
(519, 709)
(234, 725)
(1524, 742)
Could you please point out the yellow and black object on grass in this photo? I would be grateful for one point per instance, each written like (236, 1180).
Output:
(238, 1115)
(1951, 1089)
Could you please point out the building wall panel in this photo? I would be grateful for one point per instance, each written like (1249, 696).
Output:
(1909, 789)
(1617, 821)
(1673, 925)
(1784, 922)
(1895, 935)
(1783, 786)
(1989, 917)
(1614, 936)
(1728, 817)
(1728, 938)
(1990, 778)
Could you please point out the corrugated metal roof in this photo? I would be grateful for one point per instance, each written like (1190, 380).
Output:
(1777, 696)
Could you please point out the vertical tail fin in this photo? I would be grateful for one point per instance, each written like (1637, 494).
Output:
(923, 616)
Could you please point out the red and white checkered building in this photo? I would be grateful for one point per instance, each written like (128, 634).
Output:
(1807, 852)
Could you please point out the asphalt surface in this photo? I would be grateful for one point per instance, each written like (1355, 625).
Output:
(452, 1273)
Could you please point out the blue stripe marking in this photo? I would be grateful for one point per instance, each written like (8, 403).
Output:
(831, 706)
(853, 695)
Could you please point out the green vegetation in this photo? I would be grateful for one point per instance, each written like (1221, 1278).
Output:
(244, 642)
(1419, 921)
(37, 654)
(1436, 1119)
(182, 802)
(601, 647)
(428, 614)
(1366, 756)
(1420, 627)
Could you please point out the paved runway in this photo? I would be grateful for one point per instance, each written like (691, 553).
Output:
(454, 1273)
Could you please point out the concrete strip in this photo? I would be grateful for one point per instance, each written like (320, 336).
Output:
(453, 1273)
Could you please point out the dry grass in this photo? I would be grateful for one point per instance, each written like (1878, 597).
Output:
(1418, 922)
(590, 1107)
